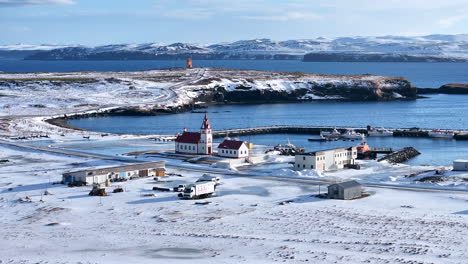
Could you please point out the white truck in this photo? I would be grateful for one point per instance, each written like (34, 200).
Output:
(209, 178)
(198, 190)
(179, 188)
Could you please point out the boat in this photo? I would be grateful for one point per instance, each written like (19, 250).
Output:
(363, 147)
(288, 149)
(380, 132)
(353, 135)
(437, 133)
(330, 134)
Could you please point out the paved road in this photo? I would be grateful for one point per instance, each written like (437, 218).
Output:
(189, 167)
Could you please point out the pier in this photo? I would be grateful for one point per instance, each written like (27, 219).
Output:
(312, 130)
(315, 130)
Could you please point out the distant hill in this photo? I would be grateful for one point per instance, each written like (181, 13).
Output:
(434, 48)
(377, 57)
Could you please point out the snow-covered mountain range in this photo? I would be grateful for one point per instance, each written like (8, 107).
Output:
(434, 46)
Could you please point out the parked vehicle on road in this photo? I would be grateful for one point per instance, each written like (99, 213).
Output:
(209, 178)
(179, 188)
(198, 190)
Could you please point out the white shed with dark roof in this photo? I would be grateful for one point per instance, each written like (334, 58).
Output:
(345, 190)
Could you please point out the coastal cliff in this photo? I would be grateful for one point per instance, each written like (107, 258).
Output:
(244, 86)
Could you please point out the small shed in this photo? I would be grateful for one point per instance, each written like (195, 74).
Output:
(345, 190)
(160, 172)
(460, 165)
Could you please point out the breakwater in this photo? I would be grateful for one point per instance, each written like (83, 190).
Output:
(315, 130)
(401, 155)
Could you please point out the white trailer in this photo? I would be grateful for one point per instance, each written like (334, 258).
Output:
(198, 190)
(209, 178)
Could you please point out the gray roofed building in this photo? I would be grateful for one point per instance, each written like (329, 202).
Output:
(345, 190)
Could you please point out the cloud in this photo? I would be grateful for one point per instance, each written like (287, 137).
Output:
(195, 14)
(381, 5)
(449, 21)
(12, 3)
(260, 10)
(288, 16)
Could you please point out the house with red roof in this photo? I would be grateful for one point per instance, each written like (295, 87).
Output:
(196, 142)
(233, 149)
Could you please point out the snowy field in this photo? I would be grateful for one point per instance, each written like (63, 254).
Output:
(243, 223)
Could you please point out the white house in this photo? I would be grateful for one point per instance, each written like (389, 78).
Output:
(326, 160)
(233, 149)
(196, 142)
(460, 165)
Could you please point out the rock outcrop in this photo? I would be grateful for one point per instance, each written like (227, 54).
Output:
(451, 88)
(243, 86)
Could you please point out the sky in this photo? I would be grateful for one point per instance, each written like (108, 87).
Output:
(99, 22)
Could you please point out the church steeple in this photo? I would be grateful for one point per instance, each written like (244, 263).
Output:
(206, 137)
(206, 123)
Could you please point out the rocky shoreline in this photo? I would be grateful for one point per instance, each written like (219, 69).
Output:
(451, 88)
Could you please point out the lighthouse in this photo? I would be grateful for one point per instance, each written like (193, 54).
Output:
(189, 63)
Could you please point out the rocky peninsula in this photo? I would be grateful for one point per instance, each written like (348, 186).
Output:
(64, 95)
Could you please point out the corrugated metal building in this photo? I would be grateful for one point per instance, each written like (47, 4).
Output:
(460, 165)
(345, 190)
(100, 175)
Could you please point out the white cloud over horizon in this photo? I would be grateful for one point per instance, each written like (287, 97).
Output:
(12, 3)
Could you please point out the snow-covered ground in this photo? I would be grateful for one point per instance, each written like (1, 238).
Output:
(243, 223)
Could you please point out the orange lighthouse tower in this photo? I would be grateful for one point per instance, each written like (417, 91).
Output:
(189, 63)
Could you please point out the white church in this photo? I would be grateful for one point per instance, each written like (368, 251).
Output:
(196, 142)
(202, 143)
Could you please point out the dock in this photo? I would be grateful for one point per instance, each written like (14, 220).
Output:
(313, 130)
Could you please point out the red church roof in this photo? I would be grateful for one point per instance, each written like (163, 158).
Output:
(189, 137)
(206, 123)
(231, 144)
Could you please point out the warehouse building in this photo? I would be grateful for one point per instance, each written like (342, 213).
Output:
(460, 165)
(326, 160)
(101, 175)
(345, 190)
